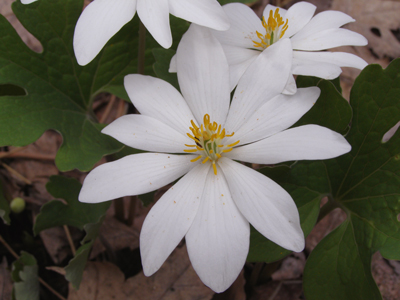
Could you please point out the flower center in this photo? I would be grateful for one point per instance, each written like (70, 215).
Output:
(274, 30)
(208, 141)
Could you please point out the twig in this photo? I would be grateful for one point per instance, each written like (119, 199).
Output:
(122, 108)
(276, 291)
(13, 151)
(36, 156)
(142, 48)
(327, 208)
(70, 241)
(108, 109)
(40, 279)
(15, 173)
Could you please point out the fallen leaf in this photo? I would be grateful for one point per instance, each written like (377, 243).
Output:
(176, 280)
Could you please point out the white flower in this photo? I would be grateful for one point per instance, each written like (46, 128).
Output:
(248, 36)
(216, 199)
(101, 19)
(27, 1)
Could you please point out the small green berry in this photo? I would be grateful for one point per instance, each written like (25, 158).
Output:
(17, 205)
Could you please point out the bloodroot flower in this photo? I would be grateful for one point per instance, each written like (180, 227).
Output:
(249, 36)
(217, 197)
(101, 19)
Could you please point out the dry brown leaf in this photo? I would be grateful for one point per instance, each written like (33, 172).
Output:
(375, 19)
(236, 290)
(117, 235)
(292, 267)
(176, 280)
(386, 277)
(6, 283)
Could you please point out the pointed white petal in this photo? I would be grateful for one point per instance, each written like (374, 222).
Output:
(291, 87)
(27, 1)
(218, 240)
(208, 13)
(244, 24)
(239, 60)
(146, 133)
(329, 38)
(298, 15)
(269, 7)
(157, 98)
(170, 218)
(309, 142)
(325, 20)
(203, 74)
(266, 205)
(133, 175)
(265, 78)
(276, 115)
(100, 20)
(340, 59)
(154, 14)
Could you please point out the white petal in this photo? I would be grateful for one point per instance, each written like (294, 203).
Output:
(244, 24)
(170, 218)
(239, 60)
(321, 70)
(291, 87)
(208, 13)
(154, 14)
(298, 15)
(340, 59)
(276, 115)
(329, 38)
(323, 21)
(265, 78)
(146, 133)
(27, 1)
(100, 20)
(203, 74)
(218, 240)
(266, 205)
(158, 99)
(133, 175)
(269, 7)
(309, 142)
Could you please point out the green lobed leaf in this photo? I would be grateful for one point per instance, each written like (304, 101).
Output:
(303, 180)
(25, 276)
(331, 110)
(74, 213)
(4, 206)
(365, 183)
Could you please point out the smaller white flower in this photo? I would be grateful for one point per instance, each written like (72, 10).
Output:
(101, 19)
(249, 36)
(27, 1)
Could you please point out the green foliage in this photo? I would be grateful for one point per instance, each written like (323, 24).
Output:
(4, 207)
(25, 276)
(333, 111)
(366, 184)
(81, 215)
(161, 66)
(74, 270)
(74, 213)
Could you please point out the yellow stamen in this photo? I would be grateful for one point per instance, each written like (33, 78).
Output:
(275, 28)
(215, 168)
(196, 159)
(209, 141)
